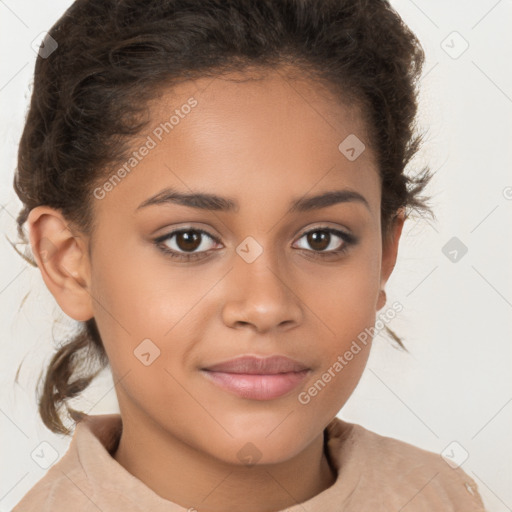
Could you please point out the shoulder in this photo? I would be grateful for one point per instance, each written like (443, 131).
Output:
(413, 478)
(59, 487)
(72, 479)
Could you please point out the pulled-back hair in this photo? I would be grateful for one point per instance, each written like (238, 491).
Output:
(90, 97)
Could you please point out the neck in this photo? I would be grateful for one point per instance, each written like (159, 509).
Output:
(192, 479)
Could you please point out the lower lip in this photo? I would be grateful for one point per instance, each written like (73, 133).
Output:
(257, 387)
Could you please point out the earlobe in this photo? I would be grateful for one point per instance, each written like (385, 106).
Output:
(62, 258)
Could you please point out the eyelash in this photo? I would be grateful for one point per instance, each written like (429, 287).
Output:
(347, 238)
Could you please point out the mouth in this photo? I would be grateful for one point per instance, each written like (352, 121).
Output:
(257, 378)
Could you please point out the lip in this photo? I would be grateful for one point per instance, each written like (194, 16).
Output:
(258, 365)
(257, 378)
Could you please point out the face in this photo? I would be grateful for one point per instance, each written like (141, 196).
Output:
(175, 288)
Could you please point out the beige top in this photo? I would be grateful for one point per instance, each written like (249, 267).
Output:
(374, 473)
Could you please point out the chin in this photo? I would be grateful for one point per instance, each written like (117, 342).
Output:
(260, 448)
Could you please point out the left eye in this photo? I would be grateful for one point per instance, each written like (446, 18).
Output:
(322, 240)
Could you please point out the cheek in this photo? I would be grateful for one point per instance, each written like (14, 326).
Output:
(139, 313)
(124, 298)
(346, 305)
(138, 297)
(345, 297)
(132, 292)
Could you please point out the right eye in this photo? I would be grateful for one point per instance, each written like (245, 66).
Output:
(182, 243)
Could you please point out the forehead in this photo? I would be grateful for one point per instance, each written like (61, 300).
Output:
(273, 107)
(256, 139)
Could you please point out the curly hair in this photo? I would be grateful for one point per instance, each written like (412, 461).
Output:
(90, 97)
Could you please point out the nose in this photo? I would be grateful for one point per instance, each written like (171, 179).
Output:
(261, 296)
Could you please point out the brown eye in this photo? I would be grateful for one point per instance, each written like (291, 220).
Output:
(327, 240)
(319, 240)
(188, 240)
(186, 243)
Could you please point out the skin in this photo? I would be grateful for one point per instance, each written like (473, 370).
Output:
(262, 143)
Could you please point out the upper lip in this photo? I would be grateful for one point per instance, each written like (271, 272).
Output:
(258, 365)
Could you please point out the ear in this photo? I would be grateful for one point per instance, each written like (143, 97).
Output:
(389, 254)
(62, 258)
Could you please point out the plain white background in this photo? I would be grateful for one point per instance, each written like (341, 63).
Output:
(454, 385)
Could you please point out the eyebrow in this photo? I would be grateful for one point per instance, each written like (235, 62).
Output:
(205, 201)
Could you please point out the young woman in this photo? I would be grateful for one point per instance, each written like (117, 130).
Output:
(216, 191)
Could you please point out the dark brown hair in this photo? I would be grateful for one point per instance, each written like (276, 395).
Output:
(90, 97)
